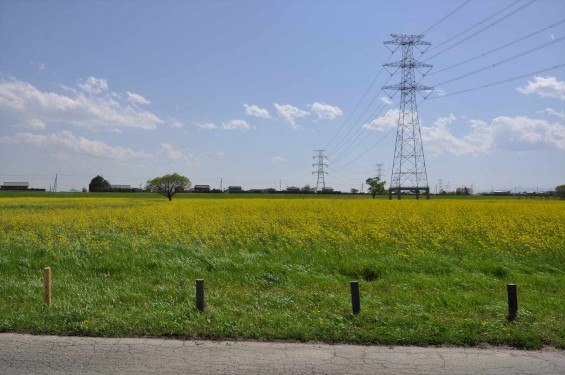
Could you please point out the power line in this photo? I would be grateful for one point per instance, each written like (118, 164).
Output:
(358, 104)
(475, 25)
(370, 148)
(346, 139)
(444, 18)
(500, 82)
(483, 29)
(351, 144)
(497, 49)
(502, 61)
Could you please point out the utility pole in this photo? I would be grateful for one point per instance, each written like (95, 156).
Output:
(320, 169)
(408, 166)
(221, 182)
(55, 184)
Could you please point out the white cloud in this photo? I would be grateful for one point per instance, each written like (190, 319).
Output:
(326, 111)
(32, 124)
(383, 123)
(177, 124)
(503, 133)
(544, 87)
(524, 133)
(290, 113)
(92, 85)
(207, 126)
(386, 100)
(220, 154)
(136, 98)
(41, 66)
(253, 110)
(174, 154)
(278, 159)
(79, 145)
(551, 111)
(236, 125)
(30, 106)
(439, 140)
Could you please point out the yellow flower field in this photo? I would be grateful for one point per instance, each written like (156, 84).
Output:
(396, 227)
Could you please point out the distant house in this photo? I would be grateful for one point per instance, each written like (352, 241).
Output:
(201, 188)
(120, 187)
(234, 189)
(293, 189)
(14, 186)
(18, 186)
(327, 190)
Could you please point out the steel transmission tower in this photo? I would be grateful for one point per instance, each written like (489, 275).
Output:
(408, 166)
(320, 168)
(380, 170)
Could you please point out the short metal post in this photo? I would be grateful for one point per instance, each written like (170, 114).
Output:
(355, 300)
(200, 294)
(47, 285)
(512, 301)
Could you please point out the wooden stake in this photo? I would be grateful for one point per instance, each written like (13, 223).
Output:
(47, 285)
(200, 294)
(512, 301)
(355, 300)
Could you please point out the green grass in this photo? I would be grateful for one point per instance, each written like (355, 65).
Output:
(444, 299)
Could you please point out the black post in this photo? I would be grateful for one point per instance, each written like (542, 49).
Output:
(200, 294)
(355, 300)
(512, 301)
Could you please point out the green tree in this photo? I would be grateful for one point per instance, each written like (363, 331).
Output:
(560, 191)
(168, 185)
(376, 186)
(98, 184)
(307, 189)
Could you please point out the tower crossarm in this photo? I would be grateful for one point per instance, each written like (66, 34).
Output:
(408, 39)
(411, 63)
(408, 86)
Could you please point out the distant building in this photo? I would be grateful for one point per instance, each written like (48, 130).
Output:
(234, 189)
(201, 188)
(293, 189)
(120, 187)
(18, 186)
(14, 186)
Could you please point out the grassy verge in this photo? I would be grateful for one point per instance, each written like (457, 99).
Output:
(302, 293)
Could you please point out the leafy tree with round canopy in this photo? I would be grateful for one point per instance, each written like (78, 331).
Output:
(98, 184)
(560, 191)
(168, 185)
(376, 186)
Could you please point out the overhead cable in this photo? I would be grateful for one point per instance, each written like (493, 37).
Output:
(480, 30)
(497, 49)
(501, 62)
(446, 17)
(500, 82)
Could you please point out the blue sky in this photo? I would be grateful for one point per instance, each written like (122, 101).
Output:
(244, 91)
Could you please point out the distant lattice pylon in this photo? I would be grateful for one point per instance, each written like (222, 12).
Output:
(409, 166)
(319, 165)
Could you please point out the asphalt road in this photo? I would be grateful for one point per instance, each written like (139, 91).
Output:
(27, 354)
